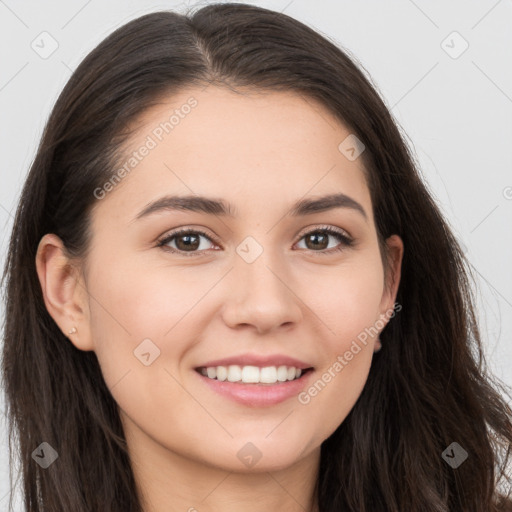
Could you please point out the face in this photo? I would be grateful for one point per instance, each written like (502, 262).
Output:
(263, 285)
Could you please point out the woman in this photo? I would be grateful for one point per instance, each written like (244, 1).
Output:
(227, 286)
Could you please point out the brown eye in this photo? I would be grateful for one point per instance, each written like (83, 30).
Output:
(318, 240)
(187, 242)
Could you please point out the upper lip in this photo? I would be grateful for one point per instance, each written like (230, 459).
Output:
(258, 360)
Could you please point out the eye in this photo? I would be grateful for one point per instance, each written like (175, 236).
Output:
(319, 237)
(187, 242)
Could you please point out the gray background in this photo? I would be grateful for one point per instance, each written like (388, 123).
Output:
(454, 106)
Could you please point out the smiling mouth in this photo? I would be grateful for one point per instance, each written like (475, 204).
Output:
(268, 375)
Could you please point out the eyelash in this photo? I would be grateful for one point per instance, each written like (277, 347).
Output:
(342, 237)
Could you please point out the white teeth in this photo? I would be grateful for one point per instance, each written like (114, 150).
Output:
(252, 374)
(282, 373)
(268, 375)
(222, 373)
(234, 373)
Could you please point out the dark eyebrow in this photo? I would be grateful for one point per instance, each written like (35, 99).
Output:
(215, 206)
(322, 204)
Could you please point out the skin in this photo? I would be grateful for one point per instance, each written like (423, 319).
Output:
(250, 150)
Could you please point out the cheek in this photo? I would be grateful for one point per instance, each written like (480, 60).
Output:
(139, 326)
(137, 300)
(348, 307)
(339, 381)
(346, 299)
(126, 307)
(131, 304)
(332, 395)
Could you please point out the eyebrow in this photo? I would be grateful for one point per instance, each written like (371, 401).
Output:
(214, 206)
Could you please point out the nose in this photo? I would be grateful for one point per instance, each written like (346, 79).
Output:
(261, 295)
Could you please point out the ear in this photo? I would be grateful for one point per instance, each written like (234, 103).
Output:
(392, 273)
(64, 291)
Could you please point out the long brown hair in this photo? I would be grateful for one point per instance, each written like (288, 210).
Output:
(428, 387)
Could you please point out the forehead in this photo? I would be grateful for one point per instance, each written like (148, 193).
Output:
(253, 148)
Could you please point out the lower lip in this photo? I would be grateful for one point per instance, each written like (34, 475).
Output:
(257, 395)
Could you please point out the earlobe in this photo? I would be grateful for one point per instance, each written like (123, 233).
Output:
(63, 294)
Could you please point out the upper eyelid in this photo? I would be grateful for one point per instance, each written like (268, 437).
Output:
(336, 229)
